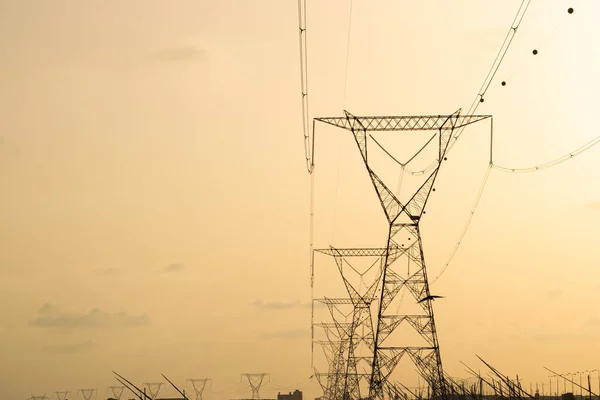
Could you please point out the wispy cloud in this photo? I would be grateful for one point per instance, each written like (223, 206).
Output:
(107, 271)
(51, 316)
(553, 294)
(71, 348)
(175, 267)
(593, 204)
(187, 53)
(279, 305)
(554, 336)
(594, 322)
(291, 334)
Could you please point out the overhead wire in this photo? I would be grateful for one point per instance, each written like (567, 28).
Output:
(467, 224)
(489, 77)
(551, 163)
(302, 36)
(347, 55)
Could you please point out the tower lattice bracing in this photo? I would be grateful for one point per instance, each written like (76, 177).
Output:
(402, 271)
(117, 391)
(87, 393)
(62, 395)
(255, 381)
(199, 386)
(153, 388)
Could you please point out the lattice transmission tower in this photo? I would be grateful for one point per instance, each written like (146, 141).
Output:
(402, 266)
(87, 393)
(199, 385)
(117, 391)
(153, 389)
(61, 395)
(255, 381)
(349, 344)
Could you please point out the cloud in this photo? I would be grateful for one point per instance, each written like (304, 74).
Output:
(71, 348)
(107, 271)
(188, 53)
(279, 305)
(176, 267)
(291, 334)
(53, 317)
(553, 294)
(594, 322)
(593, 205)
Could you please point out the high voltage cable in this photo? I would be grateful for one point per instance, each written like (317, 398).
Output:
(491, 166)
(467, 224)
(552, 163)
(489, 77)
(308, 138)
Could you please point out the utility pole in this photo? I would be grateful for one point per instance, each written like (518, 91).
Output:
(403, 263)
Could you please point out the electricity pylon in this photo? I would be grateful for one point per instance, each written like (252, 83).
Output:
(87, 393)
(199, 386)
(403, 267)
(255, 381)
(61, 395)
(355, 354)
(335, 346)
(153, 388)
(117, 391)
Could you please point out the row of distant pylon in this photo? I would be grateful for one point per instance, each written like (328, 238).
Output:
(150, 390)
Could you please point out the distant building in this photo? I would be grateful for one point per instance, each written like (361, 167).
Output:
(567, 396)
(295, 395)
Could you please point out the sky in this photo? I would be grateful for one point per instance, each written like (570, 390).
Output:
(155, 202)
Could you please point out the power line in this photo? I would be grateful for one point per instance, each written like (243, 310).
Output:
(467, 224)
(489, 77)
(308, 138)
(552, 163)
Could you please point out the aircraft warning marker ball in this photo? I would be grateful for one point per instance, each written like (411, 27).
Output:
(534, 52)
(570, 10)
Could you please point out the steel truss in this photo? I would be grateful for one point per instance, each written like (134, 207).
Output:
(402, 217)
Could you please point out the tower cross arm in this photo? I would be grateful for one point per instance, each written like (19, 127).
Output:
(404, 123)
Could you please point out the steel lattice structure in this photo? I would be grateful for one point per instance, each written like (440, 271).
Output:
(62, 395)
(153, 388)
(117, 391)
(255, 381)
(87, 393)
(199, 385)
(402, 217)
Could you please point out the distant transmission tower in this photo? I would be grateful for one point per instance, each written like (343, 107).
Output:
(255, 381)
(199, 386)
(117, 391)
(403, 263)
(87, 393)
(61, 395)
(356, 337)
(154, 389)
(335, 347)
